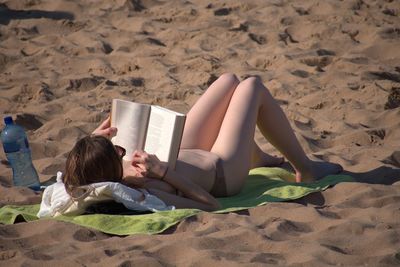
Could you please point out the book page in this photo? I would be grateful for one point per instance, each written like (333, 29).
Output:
(163, 135)
(131, 120)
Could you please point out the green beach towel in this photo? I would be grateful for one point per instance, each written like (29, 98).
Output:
(262, 186)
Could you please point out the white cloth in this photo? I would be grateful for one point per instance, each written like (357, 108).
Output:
(56, 201)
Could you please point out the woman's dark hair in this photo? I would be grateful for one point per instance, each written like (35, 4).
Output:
(93, 159)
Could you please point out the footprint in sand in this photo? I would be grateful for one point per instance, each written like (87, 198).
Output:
(62, 27)
(6, 233)
(36, 255)
(303, 124)
(285, 36)
(355, 85)
(44, 94)
(28, 121)
(325, 52)
(268, 258)
(393, 159)
(84, 84)
(155, 41)
(140, 5)
(127, 264)
(4, 60)
(320, 62)
(300, 73)
(222, 12)
(379, 133)
(358, 60)
(286, 21)
(390, 33)
(259, 39)
(106, 48)
(393, 98)
(301, 11)
(328, 214)
(87, 235)
(390, 12)
(134, 81)
(243, 27)
(111, 252)
(164, 20)
(285, 229)
(72, 26)
(381, 75)
(336, 249)
(8, 254)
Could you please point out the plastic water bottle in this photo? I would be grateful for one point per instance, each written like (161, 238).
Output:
(16, 147)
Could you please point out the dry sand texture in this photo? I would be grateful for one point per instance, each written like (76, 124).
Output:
(333, 65)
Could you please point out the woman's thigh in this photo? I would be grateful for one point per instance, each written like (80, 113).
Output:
(204, 119)
(235, 141)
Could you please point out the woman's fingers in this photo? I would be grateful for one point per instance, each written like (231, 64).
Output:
(137, 169)
(143, 157)
(112, 131)
(105, 129)
(138, 162)
(105, 124)
(138, 153)
(151, 164)
(142, 169)
(139, 158)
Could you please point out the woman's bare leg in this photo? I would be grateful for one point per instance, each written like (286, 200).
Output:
(261, 159)
(204, 119)
(252, 104)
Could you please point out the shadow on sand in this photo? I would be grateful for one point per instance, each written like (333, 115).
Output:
(382, 175)
(385, 175)
(6, 14)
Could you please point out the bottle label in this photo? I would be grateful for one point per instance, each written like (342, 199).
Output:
(11, 147)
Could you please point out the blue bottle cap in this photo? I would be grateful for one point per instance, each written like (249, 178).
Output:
(8, 120)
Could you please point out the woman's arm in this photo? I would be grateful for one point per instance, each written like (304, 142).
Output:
(181, 202)
(165, 192)
(193, 195)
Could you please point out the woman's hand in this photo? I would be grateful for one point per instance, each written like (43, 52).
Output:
(150, 164)
(132, 169)
(133, 174)
(105, 129)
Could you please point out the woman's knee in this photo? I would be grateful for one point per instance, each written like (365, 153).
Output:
(229, 79)
(253, 81)
(253, 85)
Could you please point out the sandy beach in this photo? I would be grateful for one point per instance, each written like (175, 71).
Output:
(334, 67)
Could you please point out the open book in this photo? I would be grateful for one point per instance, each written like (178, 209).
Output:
(151, 128)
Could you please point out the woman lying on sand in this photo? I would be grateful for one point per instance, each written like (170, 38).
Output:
(217, 149)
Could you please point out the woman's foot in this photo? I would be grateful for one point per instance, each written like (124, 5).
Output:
(317, 170)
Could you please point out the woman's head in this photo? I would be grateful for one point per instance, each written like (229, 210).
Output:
(93, 159)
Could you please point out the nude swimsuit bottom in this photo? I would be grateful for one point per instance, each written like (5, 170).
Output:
(208, 163)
